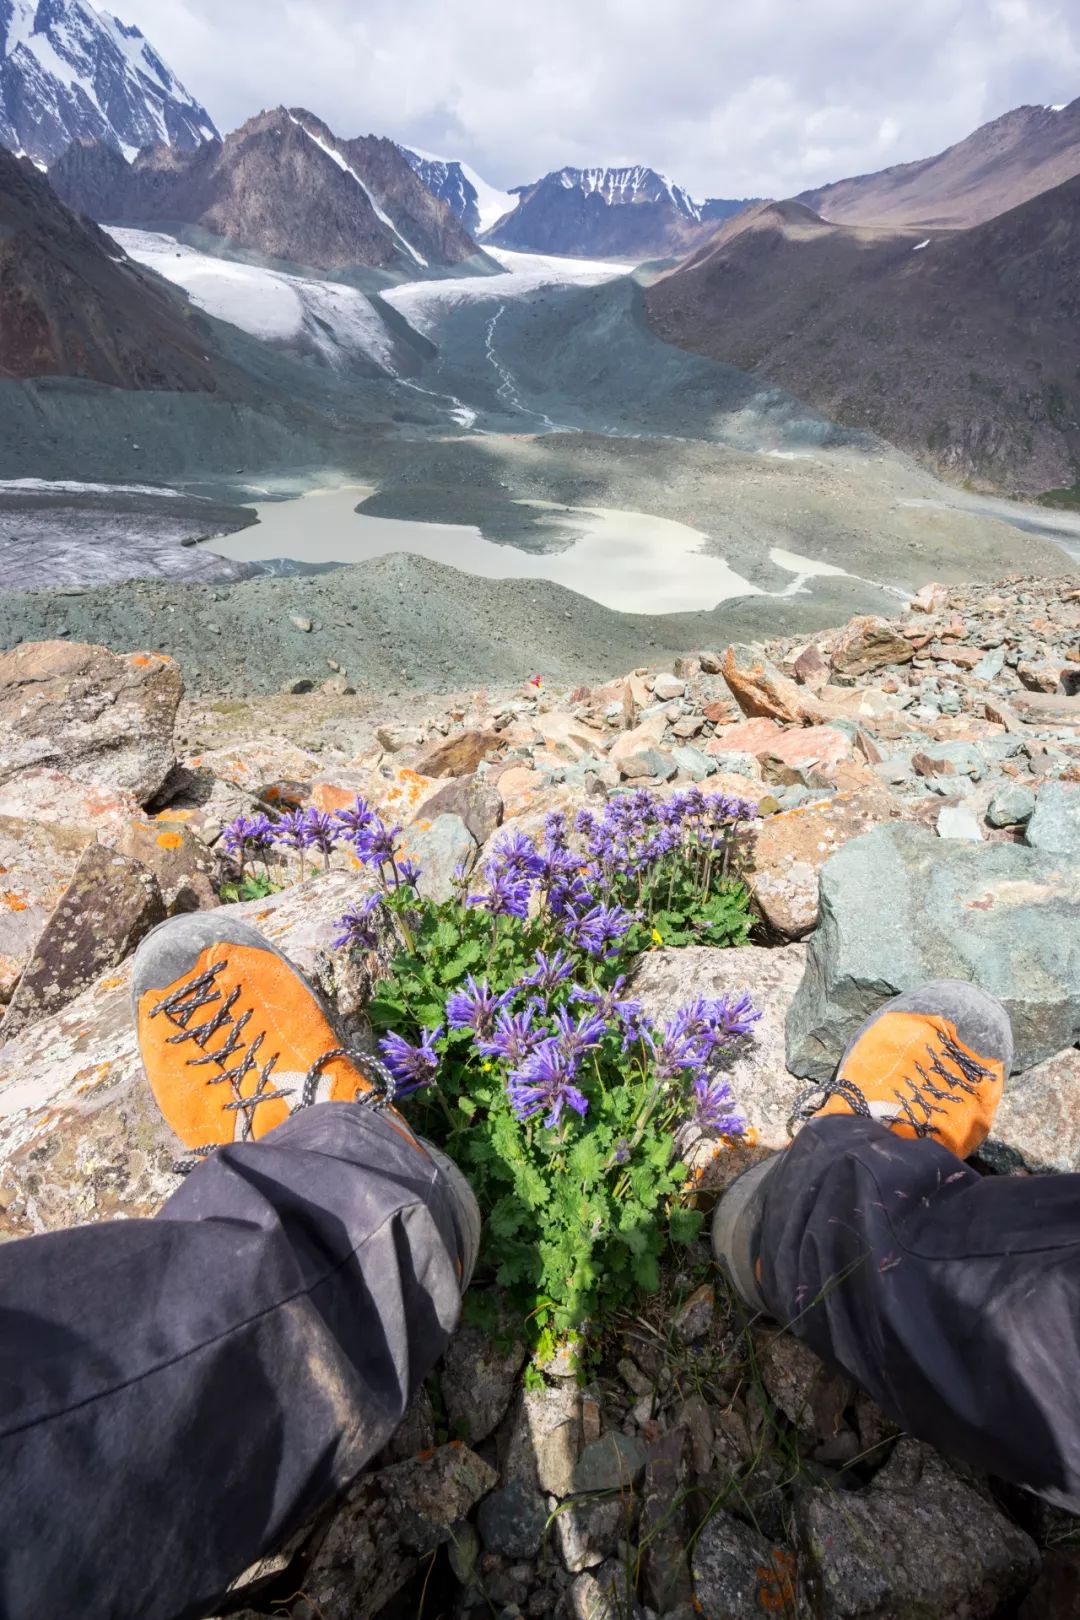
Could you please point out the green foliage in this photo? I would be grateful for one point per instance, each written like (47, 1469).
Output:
(251, 886)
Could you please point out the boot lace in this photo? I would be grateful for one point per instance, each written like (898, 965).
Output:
(935, 1087)
(180, 1006)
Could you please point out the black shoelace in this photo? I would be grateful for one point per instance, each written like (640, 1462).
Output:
(923, 1098)
(180, 1007)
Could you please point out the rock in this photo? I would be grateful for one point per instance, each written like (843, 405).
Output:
(614, 1462)
(52, 797)
(959, 821)
(1055, 825)
(738, 1575)
(665, 687)
(460, 754)
(990, 665)
(519, 788)
(1046, 708)
(360, 1565)
(338, 686)
(919, 1544)
(299, 622)
(81, 1137)
(252, 765)
(587, 1532)
(569, 737)
(415, 1432)
(693, 763)
(185, 869)
(949, 759)
(811, 669)
(602, 1595)
(753, 737)
(99, 718)
(790, 849)
(434, 1491)
(1000, 915)
(478, 1377)
(666, 980)
(1056, 1594)
(1041, 675)
(649, 734)
(760, 689)
(108, 906)
(868, 643)
(817, 749)
(694, 1317)
(512, 1521)
(439, 848)
(1037, 1125)
(1011, 806)
(654, 763)
(711, 662)
(37, 859)
(811, 1396)
(930, 598)
(543, 1442)
(473, 799)
(396, 737)
(663, 1524)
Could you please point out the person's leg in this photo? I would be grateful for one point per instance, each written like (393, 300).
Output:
(952, 1299)
(178, 1395)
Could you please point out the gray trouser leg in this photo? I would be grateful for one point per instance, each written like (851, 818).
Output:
(178, 1395)
(953, 1299)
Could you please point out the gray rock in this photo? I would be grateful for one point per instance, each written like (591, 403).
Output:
(415, 1432)
(1037, 1124)
(648, 762)
(756, 1070)
(512, 1521)
(107, 908)
(602, 1595)
(738, 1575)
(439, 849)
(470, 797)
(900, 906)
(433, 1492)
(301, 623)
(663, 1525)
(950, 759)
(586, 1532)
(959, 821)
(1055, 825)
(737, 762)
(918, 1545)
(614, 1462)
(694, 1317)
(478, 1377)
(1011, 806)
(990, 665)
(665, 687)
(693, 763)
(545, 1439)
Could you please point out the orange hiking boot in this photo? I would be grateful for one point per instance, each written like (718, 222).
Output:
(931, 1062)
(233, 1038)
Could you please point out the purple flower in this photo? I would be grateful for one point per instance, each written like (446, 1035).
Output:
(409, 872)
(291, 830)
(374, 842)
(575, 1039)
(513, 1037)
(235, 835)
(599, 931)
(610, 1004)
(622, 1151)
(320, 830)
(357, 818)
(476, 1006)
(358, 925)
(546, 1080)
(714, 1108)
(517, 853)
(674, 1050)
(549, 970)
(509, 894)
(411, 1066)
(716, 1023)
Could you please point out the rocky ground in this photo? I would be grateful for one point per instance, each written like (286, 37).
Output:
(917, 784)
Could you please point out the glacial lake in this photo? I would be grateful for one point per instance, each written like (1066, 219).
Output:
(629, 561)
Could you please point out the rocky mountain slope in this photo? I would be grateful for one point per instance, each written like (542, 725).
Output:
(961, 347)
(283, 186)
(476, 204)
(72, 304)
(745, 1476)
(632, 213)
(70, 72)
(1006, 162)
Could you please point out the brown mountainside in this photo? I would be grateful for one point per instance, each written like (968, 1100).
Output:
(71, 305)
(963, 348)
(1003, 164)
(282, 186)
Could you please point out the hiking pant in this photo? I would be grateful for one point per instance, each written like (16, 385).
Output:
(178, 1395)
(953, 1299)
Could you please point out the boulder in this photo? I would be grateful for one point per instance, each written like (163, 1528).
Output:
(868, 643)
(50, 796)
(949, 759)
(81, 1138)
(104, 719)
(518, 788)
(478, 1378)
(790, 849)
(738, 1575)
(1037, 1124)
(1055, 824)
(666, 687)
(109, 905)
(460, 754)
(542, 1439)
(37, 859)
(959, 821)
(753, 737)
(900, 906)
(250, 766)
(439, 848)
(919, 1544)
(814, 749)
(760, 689)
(470, 797)
(512, 1521)
(1011, 805)
(433, 1492)
(185, 869)
(756, 1070)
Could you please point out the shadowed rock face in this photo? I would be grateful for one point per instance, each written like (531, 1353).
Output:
(961, 347)
(74, 307)
(283, 186)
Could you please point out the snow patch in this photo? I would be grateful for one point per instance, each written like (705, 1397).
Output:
(424, 303)
(920, 245)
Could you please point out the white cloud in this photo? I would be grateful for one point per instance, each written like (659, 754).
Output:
(729, 98)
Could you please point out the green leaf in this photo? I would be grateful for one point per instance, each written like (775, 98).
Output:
(684, 1225)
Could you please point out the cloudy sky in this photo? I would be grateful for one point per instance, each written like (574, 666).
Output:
(730, 97)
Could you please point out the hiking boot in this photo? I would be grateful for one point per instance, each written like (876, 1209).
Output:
(234, 1040)
(931, 1062)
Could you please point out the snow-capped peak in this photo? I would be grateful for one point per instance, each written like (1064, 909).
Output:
(71, 72)
(477, 204)
(629, 184)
